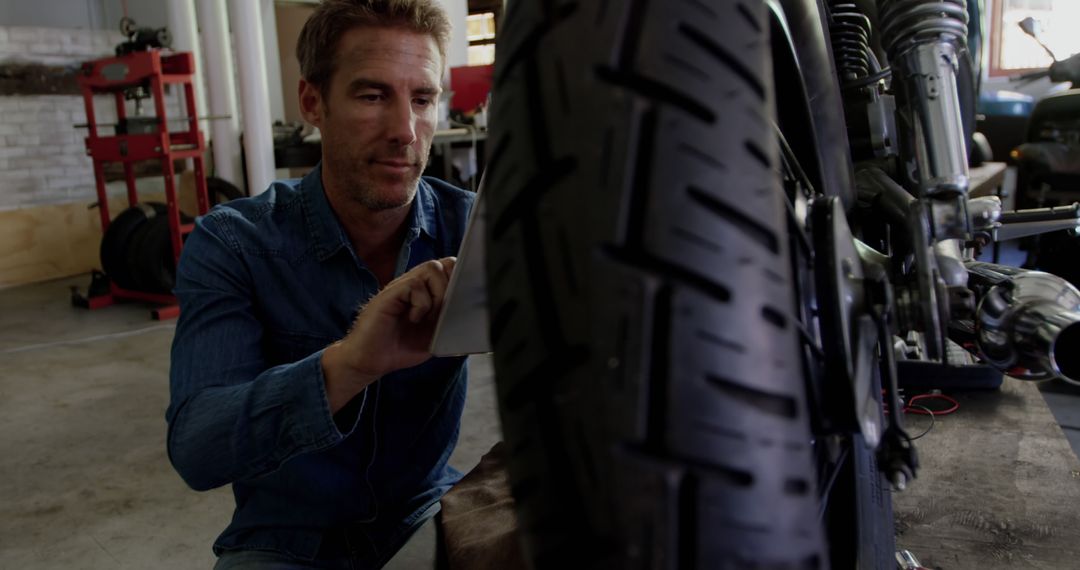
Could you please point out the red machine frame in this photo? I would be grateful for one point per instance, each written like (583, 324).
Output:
(117, 75)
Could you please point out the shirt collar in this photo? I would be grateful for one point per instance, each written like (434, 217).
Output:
(423, 212)
(326, 232)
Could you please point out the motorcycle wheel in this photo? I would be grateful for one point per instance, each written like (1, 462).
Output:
(118, 237)
(647, 355)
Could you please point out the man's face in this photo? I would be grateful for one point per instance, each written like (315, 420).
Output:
(378, 115)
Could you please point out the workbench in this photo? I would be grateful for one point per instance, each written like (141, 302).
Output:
(988, 179)
(998, 487)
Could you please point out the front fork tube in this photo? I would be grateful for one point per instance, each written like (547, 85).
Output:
(928, 70)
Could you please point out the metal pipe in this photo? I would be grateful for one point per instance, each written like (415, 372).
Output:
(185, 37)
(221, 85)
(1054, 337)
(931, 83)
(950, 262)
(1027, 323)
(254, 97)
(923, 39)
(273, 61)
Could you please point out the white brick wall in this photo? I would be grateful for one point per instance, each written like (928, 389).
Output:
(55, 46)
(42, 155)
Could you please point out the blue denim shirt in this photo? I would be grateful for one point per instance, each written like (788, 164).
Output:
(264, 284)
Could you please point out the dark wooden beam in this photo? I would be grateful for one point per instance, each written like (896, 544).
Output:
(37, 79)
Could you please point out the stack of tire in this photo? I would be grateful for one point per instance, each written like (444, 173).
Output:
(136, 250)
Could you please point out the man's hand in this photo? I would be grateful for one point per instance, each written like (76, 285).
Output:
(393, 331)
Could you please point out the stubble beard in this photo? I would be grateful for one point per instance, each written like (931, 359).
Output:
(360, 187)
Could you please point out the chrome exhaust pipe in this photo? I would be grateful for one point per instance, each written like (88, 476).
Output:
(1027, 323)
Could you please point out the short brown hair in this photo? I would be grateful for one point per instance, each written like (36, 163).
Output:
(316, 49)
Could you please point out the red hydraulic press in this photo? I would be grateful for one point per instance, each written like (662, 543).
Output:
(137, 75)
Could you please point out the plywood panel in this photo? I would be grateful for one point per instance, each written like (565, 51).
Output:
(47, 242)
(61, 240)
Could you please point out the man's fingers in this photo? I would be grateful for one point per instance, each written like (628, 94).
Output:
(448, 263)
(434, 277)
(420, 302)
(421, 291)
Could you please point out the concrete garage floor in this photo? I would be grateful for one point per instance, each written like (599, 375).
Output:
(84, 478)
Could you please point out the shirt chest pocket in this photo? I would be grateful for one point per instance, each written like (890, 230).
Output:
(286, 347)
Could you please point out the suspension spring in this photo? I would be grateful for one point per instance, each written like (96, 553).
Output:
(849, 32)
(906, 23)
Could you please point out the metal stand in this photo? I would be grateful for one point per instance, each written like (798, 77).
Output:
(139, 75)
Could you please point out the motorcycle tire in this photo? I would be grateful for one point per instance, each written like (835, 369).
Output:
(117, 239)
(219, 190)
(647, 355)
(151, 258)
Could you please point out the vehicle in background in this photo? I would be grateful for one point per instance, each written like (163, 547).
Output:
(1048, 161)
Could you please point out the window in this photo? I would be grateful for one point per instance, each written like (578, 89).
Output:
(1012, 50)
(480, 31)
(481, 26)
(482, 54)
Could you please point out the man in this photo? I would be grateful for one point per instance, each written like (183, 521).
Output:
(334, 432)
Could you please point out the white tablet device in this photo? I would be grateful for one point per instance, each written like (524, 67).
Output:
(463, 322)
